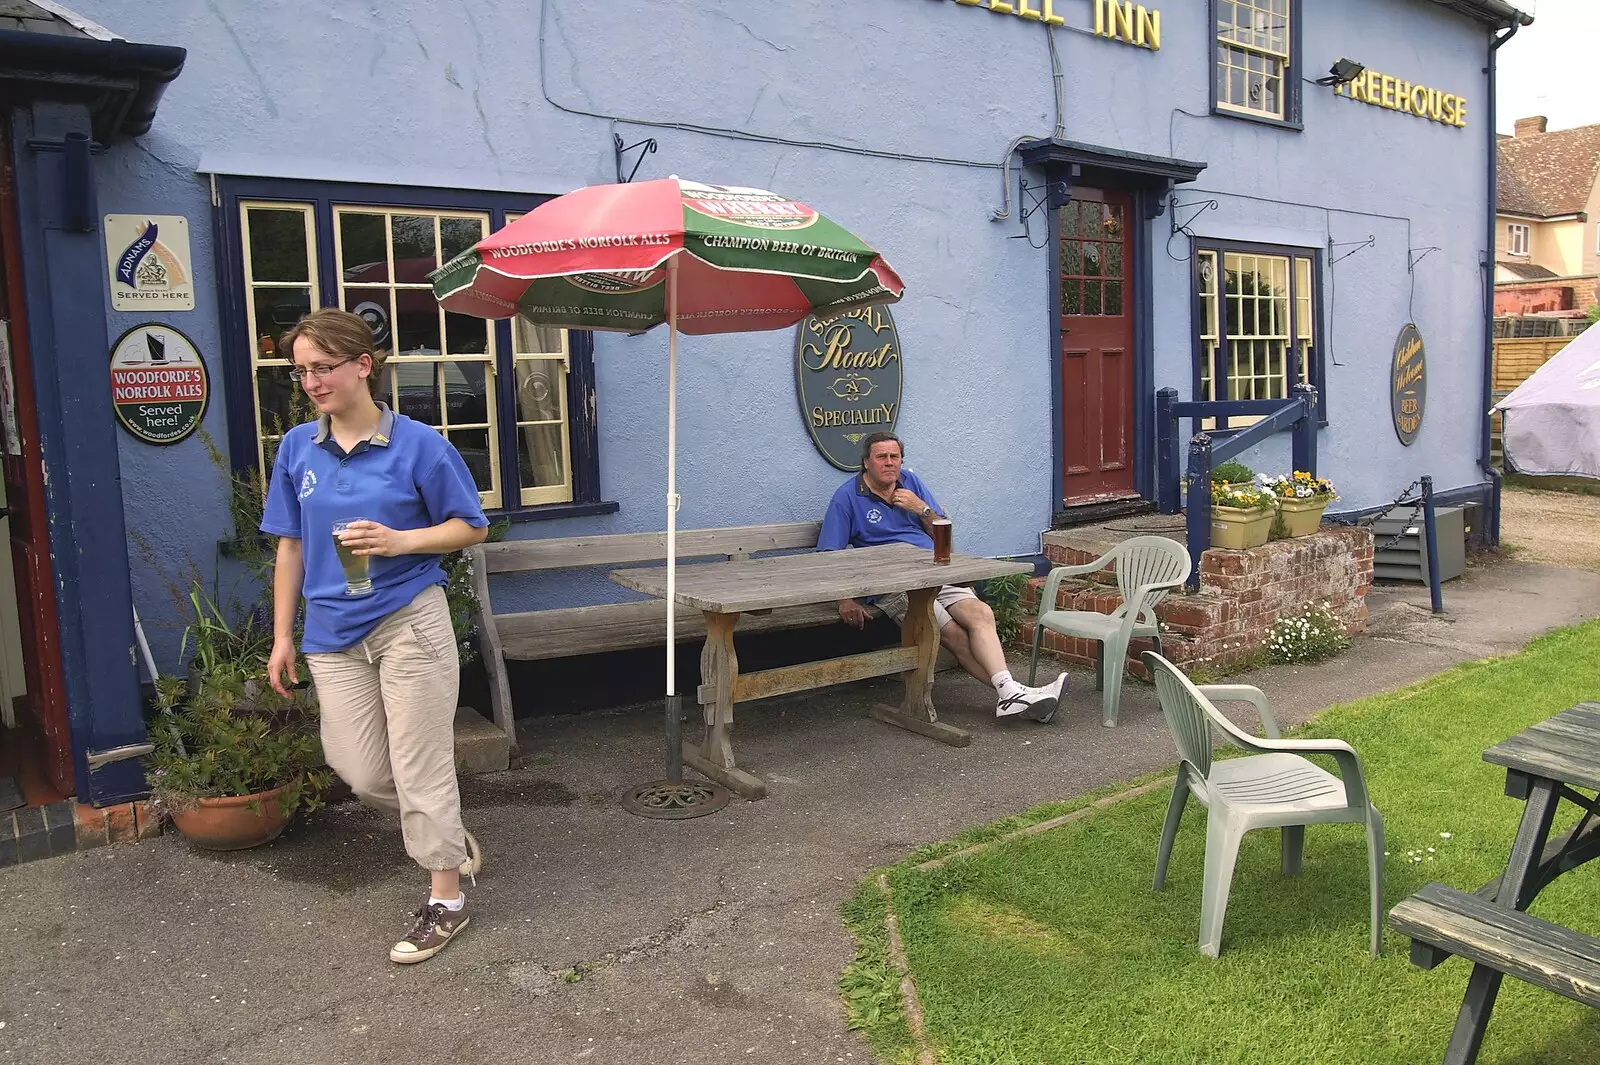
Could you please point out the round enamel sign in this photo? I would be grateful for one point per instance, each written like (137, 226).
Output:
(159, 384)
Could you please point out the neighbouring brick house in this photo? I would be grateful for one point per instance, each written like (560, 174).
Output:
(1547, 234)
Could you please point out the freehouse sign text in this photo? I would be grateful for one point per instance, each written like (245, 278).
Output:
(1117, 20)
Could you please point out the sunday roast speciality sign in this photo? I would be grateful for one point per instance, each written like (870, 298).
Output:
(848, 378)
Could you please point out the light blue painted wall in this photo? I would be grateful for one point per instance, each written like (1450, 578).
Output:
(422, 93)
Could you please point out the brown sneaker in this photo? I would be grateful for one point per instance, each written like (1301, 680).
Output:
(436, 926)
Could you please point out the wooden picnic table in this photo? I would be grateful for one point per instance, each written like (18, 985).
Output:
(725, 590)
(1550, 763)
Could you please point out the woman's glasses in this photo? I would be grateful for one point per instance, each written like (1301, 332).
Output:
(319, 372)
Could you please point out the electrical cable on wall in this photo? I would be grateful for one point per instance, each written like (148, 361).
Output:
(737, 134)
(1412, 259)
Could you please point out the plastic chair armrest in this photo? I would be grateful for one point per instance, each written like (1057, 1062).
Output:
(1244, 693)
(1052, 583)
(1344, 756)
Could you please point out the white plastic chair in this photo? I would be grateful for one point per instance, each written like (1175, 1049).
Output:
(1275, 787)
(1147, 568)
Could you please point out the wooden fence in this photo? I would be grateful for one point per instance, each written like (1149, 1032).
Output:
(1515, 359)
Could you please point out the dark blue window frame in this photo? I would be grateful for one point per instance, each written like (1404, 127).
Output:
(1318, 367)
(238, 345)
(1292, 76)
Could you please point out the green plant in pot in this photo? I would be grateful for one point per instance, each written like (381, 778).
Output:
(1241, 515)
(1232, 472)
(233, 759)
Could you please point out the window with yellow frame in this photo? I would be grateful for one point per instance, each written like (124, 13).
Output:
(1257, 322)
(502, 393)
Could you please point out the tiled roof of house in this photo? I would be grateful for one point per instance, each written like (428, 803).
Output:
(1526, 271)
(1548, 174)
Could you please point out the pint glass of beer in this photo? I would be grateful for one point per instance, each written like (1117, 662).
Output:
(357, 568)
(941, 540)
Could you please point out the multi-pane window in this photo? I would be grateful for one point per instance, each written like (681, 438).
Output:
(1256, 322)
(1093, 271)
(502, 393)
(1517, 240)
(1254, 58)
(441, 366)
(280, 279)
(540, 363)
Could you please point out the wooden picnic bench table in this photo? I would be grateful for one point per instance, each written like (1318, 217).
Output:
(723, 591)
(1555, 761)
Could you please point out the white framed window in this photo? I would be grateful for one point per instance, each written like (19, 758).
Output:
(441, 367)
(279, 241)
(1517, 238)
(1254, 60)
(1255, 308)
(515, 400)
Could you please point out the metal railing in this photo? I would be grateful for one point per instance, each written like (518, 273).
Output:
(1297, 414)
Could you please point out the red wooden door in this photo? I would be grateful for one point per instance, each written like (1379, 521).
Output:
(29, 525)
(1096, 348)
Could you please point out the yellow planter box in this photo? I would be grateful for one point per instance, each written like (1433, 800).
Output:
(1301, 517)
(1237, 529)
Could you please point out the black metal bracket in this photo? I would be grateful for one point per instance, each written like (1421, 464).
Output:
(1354, 245)
(1412, 258)
(1051, 194)
(1201, 207)
(620, 150)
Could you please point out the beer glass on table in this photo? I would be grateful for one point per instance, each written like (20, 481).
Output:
(941, 540)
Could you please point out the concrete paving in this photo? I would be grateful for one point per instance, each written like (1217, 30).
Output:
(601, 937)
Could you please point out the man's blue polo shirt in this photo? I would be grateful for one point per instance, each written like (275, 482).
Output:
(857, 518)
(408, 476)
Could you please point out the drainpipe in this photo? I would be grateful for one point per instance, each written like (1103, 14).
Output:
(1485, 447)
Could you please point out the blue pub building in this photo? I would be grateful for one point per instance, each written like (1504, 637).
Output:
(1089, 200)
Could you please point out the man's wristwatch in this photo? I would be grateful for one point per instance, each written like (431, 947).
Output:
(927, 512)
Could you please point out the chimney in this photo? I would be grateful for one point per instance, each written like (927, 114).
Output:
(1527, 127)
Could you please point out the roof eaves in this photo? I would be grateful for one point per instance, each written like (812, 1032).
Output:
(88, 27)
(1497, 13)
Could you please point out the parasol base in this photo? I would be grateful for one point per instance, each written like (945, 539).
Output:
(674, 800)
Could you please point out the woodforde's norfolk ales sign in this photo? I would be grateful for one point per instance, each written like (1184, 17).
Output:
(847, 374)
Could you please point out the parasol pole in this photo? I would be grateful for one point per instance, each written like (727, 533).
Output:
(674, 715)
(673, 798)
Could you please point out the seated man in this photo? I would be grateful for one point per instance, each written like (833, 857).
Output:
(887, 504)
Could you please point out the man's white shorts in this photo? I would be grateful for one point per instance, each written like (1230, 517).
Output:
(895, 605)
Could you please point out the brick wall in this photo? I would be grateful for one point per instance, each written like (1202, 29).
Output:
(1241, 594)
(1533, 299)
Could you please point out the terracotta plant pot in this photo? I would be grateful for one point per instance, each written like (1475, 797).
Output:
(1301, 517)
(1237, 529)
(233, 822)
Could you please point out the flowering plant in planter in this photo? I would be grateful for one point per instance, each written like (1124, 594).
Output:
(1300, 486)
(1241, 515)
(1301, 499)
(1239, 496)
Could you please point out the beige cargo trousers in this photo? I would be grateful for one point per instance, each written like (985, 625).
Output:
(388, 724)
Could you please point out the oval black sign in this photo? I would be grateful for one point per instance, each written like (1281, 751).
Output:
(847, 374)
(1408, 384)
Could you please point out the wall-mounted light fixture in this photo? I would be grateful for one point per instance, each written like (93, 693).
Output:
(1342, 72)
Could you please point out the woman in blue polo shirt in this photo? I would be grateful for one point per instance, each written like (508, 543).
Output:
(378, 636)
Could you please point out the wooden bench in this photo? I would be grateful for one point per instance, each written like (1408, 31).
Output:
(1442, 921)
(563, 632)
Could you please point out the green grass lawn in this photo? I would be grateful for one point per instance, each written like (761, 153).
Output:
(1053, 949)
